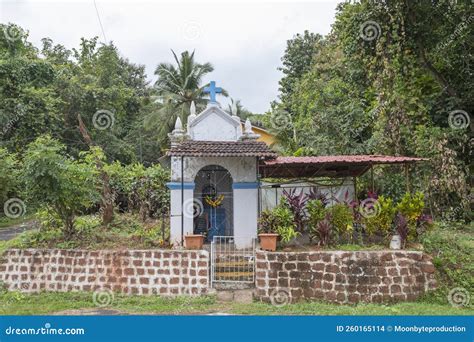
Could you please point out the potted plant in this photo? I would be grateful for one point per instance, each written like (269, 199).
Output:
(193, 241)
(274, 224)
(267, 231)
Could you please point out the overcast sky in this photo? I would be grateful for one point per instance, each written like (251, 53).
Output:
(244, 41)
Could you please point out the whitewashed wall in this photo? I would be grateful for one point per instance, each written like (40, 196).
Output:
(271, 196)
(242, 169)
(213, 124)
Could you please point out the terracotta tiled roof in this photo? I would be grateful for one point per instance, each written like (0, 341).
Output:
(344, 159)
(193, 148)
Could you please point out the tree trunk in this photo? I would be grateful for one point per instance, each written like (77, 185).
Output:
(107, 199)
(144, 211)
(69, 226)
(107, 202)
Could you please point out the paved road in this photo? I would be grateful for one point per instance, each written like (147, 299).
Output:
(9, 233)
(114, 312)
(91, 312)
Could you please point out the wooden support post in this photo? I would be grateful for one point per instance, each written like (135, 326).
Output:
(372, 177)
(407, 178)
(182, 202)
(355, 188)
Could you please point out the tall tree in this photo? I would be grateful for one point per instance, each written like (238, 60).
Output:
(387, 80)
(176, 88)
(297, 60)
(236, 107)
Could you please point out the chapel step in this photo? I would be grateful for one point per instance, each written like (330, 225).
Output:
(234, 276)
(234, 263)
(234, 258)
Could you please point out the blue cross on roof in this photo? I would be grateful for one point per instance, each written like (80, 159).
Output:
(212, 90)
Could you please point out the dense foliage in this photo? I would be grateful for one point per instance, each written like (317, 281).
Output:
(64, 187)
(369, 222)
(452, 247)
(44, 90)
(392, 77)
(58, 183)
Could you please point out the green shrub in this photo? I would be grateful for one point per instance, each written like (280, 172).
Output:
(411, 207)
(280, 221)
(452, 248)
(316, 211)
(341, 219)
(85, 225)
(381, 223)
(143, 189)
(150, 193)
(48, 218)
(62, 184)
(8, 175)
(153, 236)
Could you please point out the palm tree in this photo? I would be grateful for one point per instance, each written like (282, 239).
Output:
(183, 82)
(176, 88)
(237, 107)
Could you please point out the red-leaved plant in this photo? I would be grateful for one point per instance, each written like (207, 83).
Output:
(315, 194)
(401, 227)
(296, 203)
(323, 230)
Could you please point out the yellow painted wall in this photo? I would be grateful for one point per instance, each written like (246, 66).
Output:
(265, 136)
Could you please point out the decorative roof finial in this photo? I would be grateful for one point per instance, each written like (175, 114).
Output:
(178, 135)
(192, 109)
(234, 108)
(178, 125)
(248, 133)
(248, 127)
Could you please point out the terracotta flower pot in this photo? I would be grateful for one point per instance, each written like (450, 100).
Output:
(268, 241)
(193, 241)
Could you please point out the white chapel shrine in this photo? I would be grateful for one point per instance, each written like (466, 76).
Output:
(214, 176)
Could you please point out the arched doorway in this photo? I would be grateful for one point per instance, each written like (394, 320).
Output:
(214, 197)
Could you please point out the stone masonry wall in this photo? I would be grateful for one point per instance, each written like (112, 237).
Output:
(160, 272)
(343, 277)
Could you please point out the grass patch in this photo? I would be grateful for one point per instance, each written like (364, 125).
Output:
(354, 247)
(15, 303)
(320, 308)
(452, 248)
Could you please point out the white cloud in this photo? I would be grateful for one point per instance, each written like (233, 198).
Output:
(244, 41)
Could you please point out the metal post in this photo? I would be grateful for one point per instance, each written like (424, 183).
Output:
(259, 204)
(182, 202)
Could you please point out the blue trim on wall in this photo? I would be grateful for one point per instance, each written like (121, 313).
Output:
(249, 185)
(177, 185)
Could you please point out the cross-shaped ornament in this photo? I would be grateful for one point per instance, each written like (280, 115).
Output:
(212, 90)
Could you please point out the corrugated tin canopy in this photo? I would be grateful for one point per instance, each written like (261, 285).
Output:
(327, 166)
